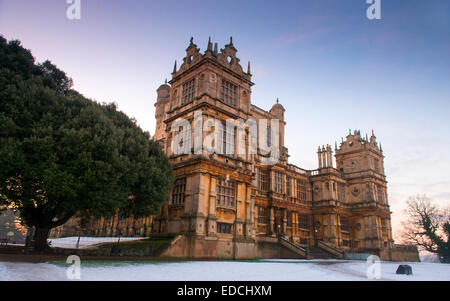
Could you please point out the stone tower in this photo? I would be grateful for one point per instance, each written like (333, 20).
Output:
(211, 202)
(361, 161)
(362, 158)
(161, 105)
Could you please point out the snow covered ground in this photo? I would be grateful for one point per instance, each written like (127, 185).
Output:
(85, 242)
(268, 270)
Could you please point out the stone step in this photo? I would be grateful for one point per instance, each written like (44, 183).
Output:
(317, 253)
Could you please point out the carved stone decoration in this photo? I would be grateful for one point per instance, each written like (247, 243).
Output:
(355, 191)
(192, 56)
(227, 57)
(316, 189)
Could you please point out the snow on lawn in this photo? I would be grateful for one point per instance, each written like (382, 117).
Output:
(85, 242)
(266, 270)
(422, 271)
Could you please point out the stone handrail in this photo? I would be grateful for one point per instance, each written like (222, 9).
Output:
(297, 169)
(330, 249)
(293, 247)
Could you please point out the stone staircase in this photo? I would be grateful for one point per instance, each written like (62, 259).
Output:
(333, 251)
(302, 252)
(318, 253)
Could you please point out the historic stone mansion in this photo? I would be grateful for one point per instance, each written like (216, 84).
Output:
(233, 205)
(222, 198)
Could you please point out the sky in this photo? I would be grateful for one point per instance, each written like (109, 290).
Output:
(331, 67)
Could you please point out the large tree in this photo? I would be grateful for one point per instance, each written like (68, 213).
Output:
(61, 153)
(428, 226)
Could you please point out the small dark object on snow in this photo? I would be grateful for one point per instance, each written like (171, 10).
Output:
(404, 269)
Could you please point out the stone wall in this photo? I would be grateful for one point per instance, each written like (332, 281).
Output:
(189, 246)
(186, 246)
(405, 253)
(400, 253)
(267, 249)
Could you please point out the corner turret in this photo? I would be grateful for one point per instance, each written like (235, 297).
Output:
(163, 96)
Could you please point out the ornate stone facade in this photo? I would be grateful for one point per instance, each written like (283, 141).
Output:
(224, 203)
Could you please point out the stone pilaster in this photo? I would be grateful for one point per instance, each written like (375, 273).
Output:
(212, 219)
(271, 222)
(284, 226)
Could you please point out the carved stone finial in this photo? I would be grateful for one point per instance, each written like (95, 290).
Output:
(192, 40)
(209, 45)
(231, 41)
(175, 67)
(166, 81)
(248, 68)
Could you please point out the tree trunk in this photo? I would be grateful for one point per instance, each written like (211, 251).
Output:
(40, 239)
(444, 255)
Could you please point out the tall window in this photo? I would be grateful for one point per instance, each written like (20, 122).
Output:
(288, 186)
(178, 192)
(228, 93)
(228, 140)
(384, 226)
(262, 179)
(262, 215)
(183, 144)
(341, 192)
(188, 92)
(289, 218)
(278, 182)
(223, 228)
(303, 221)
(344, 223)
(376, 164)
(225, 193)
(269, 136)
(301, 190)
(380, 194)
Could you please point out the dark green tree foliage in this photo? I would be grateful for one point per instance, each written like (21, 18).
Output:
(61, 153)
(55, 78)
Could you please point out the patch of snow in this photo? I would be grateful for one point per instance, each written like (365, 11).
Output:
(422, 271)
(264, 270)
(85, 242)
